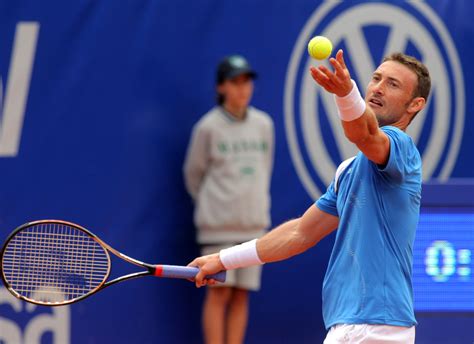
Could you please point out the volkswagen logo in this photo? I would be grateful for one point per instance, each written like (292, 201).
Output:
(367, 32)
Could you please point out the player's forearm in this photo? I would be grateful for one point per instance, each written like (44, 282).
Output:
(283, 242)
(287, 240)
(362, 128)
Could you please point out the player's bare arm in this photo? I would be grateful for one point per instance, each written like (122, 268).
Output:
(296, 236)
(289, 239)
(363, 131)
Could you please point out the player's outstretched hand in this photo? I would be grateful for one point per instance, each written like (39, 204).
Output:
(338, 81)
(207, 265)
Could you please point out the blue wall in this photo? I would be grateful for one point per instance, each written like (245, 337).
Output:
(114, 90)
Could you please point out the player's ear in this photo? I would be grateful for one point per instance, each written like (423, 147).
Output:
(220, 88)
(416, 104)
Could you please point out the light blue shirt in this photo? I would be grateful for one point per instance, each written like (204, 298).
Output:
(368, 279)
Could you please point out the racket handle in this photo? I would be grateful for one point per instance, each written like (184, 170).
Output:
(175, 271)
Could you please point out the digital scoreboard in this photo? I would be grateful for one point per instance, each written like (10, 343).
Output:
(443, 262)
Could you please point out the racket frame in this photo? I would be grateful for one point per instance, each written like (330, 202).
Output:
(150, 270)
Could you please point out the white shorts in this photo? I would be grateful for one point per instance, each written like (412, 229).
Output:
(247, 278)
(370, 334)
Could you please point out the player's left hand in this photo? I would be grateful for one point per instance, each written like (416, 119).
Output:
(337, 82)
(208, 265)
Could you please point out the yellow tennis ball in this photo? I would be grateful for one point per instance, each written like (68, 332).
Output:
(319, 47)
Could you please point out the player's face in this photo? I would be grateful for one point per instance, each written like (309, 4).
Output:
(237, 91)
(390, 92)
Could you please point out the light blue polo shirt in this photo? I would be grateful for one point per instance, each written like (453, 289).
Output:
(368, 279)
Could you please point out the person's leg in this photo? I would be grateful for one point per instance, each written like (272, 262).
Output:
(214, 314)
(216, 303)
(237, 316)
(246, 280)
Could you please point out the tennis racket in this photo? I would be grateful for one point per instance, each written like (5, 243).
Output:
(53, 263)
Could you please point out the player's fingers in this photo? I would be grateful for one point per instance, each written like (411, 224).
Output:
(329, 74)
(322, 80)
(211, 281)
(332, 79)
(204, 271)
(198, 262)
(340, 58)
(193, 263)
(199, 279)
(318, 76)
(329, 84)
(315, 72)
(340, 71)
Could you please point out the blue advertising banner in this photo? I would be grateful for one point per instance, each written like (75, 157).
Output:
(97, 103)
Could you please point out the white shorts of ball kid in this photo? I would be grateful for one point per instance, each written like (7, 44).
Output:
(370, 334)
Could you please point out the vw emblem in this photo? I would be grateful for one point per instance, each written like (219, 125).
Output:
(367, 32)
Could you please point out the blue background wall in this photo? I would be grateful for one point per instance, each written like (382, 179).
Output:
(115, 90)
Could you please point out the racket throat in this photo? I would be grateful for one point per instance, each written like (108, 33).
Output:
(158, 271)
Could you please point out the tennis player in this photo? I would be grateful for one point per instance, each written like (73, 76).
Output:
(373, 201)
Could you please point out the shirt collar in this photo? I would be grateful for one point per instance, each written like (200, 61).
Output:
(231, 117)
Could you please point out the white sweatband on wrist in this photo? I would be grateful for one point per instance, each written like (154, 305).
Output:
(240, 256)
(351, 106)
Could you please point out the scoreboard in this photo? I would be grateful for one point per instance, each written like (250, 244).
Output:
(443, 261)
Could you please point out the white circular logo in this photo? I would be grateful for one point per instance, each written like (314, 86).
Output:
(367, 32)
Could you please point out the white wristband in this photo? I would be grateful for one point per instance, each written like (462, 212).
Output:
(240, 256)
(351, 106)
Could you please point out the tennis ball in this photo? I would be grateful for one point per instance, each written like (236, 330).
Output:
(319, 47)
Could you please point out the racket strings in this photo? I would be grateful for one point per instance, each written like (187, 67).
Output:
(54, 263)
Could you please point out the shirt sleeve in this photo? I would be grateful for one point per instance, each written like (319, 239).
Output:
(328, 201)
(400, 145)
(196, 161)
(270, 135)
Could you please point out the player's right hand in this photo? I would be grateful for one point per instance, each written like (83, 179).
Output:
(208, 265)
(338, 81)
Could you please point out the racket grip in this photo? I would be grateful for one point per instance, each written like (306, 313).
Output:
(187, 272)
